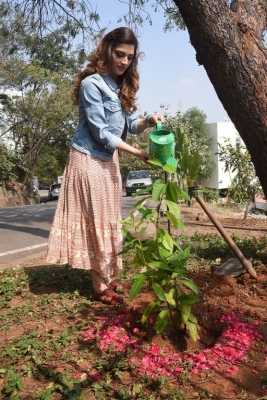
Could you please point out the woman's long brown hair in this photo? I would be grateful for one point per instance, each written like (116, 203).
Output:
(99, 61)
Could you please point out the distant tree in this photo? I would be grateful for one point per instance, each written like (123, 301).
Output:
(27, 60)
(42, 117)
(245, 185)
(193, 124)
(8, 164)
(200, 140)
(39, 121)
(52, 162)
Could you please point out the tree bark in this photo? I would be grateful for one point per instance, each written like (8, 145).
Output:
(229, 44)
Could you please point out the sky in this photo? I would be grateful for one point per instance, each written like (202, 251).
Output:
(169, 72)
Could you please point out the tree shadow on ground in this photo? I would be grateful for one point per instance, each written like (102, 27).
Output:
(47, 279)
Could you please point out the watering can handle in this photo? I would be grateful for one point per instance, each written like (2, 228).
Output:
(159, 125)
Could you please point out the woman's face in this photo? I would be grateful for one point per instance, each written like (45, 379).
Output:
(121, 58)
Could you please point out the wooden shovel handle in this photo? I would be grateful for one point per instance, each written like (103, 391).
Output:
(246, 264)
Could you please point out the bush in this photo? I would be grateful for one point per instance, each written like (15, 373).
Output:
(209, 195)
(7, 164)
(212, 246)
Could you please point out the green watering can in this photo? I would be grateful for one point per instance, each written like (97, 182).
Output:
(161, 145)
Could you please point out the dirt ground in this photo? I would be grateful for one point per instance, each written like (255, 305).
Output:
(195, 219)
(238, 300)
(229, 359)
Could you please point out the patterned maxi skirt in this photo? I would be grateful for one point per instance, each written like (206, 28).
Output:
(85, 232)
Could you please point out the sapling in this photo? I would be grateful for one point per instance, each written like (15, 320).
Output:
(159, 261)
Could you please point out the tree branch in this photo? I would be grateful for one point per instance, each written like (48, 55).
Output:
(44, 14)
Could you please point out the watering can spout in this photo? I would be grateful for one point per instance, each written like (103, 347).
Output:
(162, 145)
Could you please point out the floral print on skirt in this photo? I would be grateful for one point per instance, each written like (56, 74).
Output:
(85, 232)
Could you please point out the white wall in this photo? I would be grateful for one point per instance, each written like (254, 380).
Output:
(220, 131)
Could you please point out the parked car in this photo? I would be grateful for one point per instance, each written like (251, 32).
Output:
(53, 191)
(44, 186)
(137, 180)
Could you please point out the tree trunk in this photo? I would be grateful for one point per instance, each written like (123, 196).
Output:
(229, 44)
(246, 209)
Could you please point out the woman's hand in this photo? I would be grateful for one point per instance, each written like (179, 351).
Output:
(149, 121)
(135, 151)
(144, 156)
(155, 118)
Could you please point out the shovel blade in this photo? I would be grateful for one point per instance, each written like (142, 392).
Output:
(231, 267)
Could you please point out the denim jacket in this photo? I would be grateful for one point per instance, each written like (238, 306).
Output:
(101, 118)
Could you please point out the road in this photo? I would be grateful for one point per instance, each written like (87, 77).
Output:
(24, 230)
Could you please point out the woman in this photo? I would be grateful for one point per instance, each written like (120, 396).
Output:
(85, 232)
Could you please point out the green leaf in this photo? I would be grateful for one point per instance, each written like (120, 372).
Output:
(142, 231)
(159, 189)
(138, 258)
(174, 221)
(167, 241)
(132, 217)
(155, 161)
(141, 201)
(188, 299)
(185, 159)
(184, 195)
(137, 388)
(194, 168)
(159, 265)
(148, 310)
(159, 291)
(185, 312)
(170, 300)
(125, 222)
(169, 168)
(164, 253)
(173, 192)
(193, 319)
(190, 284)
(146, 269)
(178, 271)
(161, 321)
(192, 328)
(173, 208)
(179, 260)
(137, 286)
(147, 214)
(128, 236)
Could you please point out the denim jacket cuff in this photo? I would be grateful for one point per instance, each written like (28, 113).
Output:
(114, 142)
(134, 127)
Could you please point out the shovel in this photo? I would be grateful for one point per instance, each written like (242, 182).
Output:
(231, 266)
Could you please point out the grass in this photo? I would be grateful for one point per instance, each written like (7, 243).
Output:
(211, 247)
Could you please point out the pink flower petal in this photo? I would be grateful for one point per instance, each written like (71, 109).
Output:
(96, 376)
